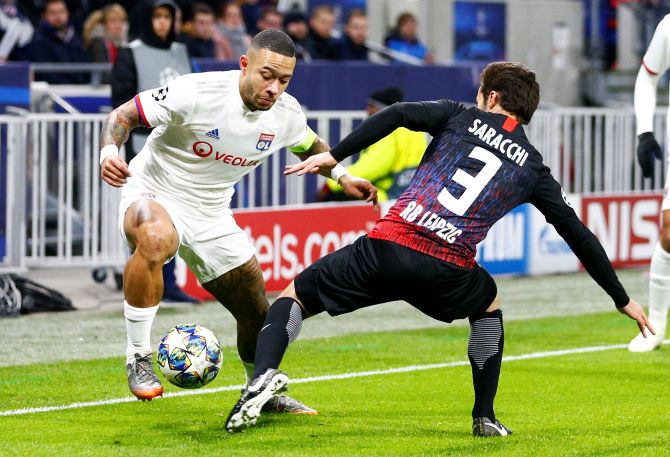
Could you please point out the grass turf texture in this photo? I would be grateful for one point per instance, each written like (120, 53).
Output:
(604, 403)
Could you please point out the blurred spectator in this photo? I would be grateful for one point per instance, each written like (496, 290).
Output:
(105, 31)
(79, 10)
(57, 41)
(137, 21)
(16, 31)
(231, 27)
(404, 39)
(295, 25)
(150, 61)
(321, 44)
(147, 63)
(204, 40)
(352, 46)
(390, 163)
(269, 18)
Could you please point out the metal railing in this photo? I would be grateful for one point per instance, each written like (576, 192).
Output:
(59, 212)
(592, 150)
(95, 70)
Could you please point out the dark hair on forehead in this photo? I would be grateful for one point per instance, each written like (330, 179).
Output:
(274, 41)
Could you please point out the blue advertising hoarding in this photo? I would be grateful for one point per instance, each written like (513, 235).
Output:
(505, 248)
(479, 29)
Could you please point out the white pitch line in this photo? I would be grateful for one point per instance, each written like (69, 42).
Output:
(358, 374)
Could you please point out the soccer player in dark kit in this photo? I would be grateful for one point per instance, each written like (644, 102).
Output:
(478, 167)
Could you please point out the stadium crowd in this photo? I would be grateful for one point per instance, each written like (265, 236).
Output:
(79, 31)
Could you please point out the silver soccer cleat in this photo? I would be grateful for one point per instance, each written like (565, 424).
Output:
(142, 380)
(285, 404)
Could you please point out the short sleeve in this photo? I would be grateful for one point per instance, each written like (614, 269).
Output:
(655, 60)
(300, 134)
(171, 104)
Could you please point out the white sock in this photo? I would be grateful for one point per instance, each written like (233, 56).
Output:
(249, 368)
(138, 329)
(659, 289)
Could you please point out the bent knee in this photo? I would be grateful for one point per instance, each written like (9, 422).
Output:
(156, 241)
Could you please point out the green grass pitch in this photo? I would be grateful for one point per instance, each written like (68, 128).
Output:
(607, 403)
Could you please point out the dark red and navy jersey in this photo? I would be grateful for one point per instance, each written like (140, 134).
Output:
(478, 167)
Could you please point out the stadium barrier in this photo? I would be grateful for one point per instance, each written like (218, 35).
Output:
(59, 213)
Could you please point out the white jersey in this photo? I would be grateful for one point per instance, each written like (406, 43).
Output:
(205, 139)
(654, 63)
(656, 60)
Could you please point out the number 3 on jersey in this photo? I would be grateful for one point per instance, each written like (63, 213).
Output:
(473, 184)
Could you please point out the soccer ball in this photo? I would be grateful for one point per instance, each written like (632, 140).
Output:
(189, 356)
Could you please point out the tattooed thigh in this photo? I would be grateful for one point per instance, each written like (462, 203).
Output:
(241, 291)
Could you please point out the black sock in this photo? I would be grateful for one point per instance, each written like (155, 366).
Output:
(485, 349)
(282, 325)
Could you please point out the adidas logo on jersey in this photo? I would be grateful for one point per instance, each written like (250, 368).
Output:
(213, 134)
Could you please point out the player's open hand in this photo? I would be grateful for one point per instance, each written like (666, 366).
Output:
(114, 171)
(635, 312)
(360, 189)
(312, 164)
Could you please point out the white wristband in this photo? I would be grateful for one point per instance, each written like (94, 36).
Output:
(108, 150)
(337, 172)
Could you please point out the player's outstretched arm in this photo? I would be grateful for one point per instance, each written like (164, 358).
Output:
(321, 161)
(417, 116)
(635, 312)
(592, 255)
(360, 189)
(115, 132)
(548, 197)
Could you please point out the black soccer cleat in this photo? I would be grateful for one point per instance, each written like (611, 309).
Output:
(259, 391)
(483, 426)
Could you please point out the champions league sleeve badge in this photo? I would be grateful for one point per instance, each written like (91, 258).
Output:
(160, 94)
(264, 141)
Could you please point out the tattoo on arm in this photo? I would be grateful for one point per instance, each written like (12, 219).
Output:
(119, 123)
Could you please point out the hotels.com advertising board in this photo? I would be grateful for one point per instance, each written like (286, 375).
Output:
(288, 239)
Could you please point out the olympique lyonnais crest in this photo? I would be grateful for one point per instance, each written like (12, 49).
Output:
(265, 141)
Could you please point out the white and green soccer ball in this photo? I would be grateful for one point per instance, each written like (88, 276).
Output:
(189, 356)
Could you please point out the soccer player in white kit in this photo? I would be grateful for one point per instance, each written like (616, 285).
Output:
(655, 62)
(210, 129)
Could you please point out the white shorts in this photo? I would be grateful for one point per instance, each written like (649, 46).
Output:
(210, 246)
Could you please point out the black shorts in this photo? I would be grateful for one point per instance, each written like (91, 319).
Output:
(373, 271)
